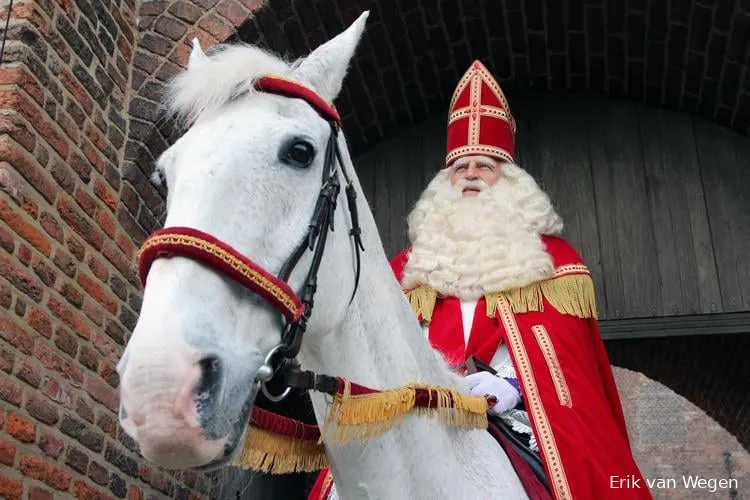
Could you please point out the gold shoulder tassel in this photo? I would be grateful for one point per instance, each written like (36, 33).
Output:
(569, 294)
(422, 300)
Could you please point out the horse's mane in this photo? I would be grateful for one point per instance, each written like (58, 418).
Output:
(229, 71)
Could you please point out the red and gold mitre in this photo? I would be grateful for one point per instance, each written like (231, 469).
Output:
(479, 119)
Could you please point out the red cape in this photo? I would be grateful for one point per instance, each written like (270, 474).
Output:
(566, 382)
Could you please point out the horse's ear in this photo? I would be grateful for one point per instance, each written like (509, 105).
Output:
(197, 57)
(324, 69)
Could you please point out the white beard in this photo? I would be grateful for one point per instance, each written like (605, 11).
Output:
(469, 246)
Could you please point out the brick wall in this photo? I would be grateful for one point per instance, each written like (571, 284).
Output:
(70, 220)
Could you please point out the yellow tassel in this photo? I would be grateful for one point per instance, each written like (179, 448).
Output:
(422, 300)
(569, 294)
(370, 415)
(272, 453)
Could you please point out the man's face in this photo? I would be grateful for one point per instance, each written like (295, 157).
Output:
(475, 168)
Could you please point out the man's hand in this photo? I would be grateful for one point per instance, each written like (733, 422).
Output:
(485, 384)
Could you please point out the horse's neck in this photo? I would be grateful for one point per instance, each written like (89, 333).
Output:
(381, 345)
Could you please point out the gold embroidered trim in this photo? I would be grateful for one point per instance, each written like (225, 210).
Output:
(545, 438)
(481, 150)
(246, 271)
(489, 111)
(550, 356)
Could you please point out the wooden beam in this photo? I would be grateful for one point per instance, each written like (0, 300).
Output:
(676, 326)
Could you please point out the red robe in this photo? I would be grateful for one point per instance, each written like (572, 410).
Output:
(566, 380)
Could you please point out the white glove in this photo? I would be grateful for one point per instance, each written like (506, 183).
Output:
(485, 384)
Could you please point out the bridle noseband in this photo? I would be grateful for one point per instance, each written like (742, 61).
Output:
(221, 257)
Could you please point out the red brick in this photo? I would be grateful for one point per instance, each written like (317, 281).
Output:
(36, 118)
(75, 88)
(22, 78)
(74, 321)
(76, 248)
(85, 410)
(22, 429)
(93, 311)
(7, 452)
(10, 489)
(44, 271)
(126, 49)
(2, 418)
(18, 129)
(66, 342)
(29, 373)
(52, 226)
(105, 345)
(101, 392)
(7, 240)
(89, 358)
(51, 445)
(7, 360)
(28, 167)
(217, 26)
(80, 223)
(93, 156)
(116, 258)
(24, 254)
(59, 391)
(135, 493)
(69, 126)
(16, 335)
(64, 262)
(98, 268)
(98, 474)
(57, 363)
(84, 491)
(97, 292)
(107, 424)
(86, 202)
(23, 228)
(81, 166)
(72, 294)
(20, 279)
(233, 11)
(96, 137)
(10, 391)
(39, 322)
(108, 372)
(42, 410)
(40, 469)
(126, 245)
(37, 493)
(106, 194)
(107, 223)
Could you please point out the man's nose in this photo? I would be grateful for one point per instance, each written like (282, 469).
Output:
(472, 172)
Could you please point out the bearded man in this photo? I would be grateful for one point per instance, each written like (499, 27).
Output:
(490, 278)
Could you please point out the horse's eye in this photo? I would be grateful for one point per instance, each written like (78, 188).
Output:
(300, 154)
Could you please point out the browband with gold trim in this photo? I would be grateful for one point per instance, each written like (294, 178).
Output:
(197, 245)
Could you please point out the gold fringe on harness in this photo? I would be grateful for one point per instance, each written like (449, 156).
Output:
(369, 415)
(273, 453)
(571, 294)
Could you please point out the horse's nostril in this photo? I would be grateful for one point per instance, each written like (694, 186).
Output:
(211, 369)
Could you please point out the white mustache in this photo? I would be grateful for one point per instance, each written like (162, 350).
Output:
(477, 184)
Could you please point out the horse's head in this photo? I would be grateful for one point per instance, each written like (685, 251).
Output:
(248, 173)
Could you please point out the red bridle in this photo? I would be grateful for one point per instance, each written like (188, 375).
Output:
(194, 244)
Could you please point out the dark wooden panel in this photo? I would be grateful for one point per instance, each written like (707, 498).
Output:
(627, 239)
(653, 200)
(684, 254)
(724, 159)
(557, 155)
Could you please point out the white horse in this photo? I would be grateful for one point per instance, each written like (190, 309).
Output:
(248, 171)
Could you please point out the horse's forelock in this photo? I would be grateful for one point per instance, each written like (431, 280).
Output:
(230, 70)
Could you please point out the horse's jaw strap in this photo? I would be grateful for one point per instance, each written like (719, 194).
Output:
(197, 245)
